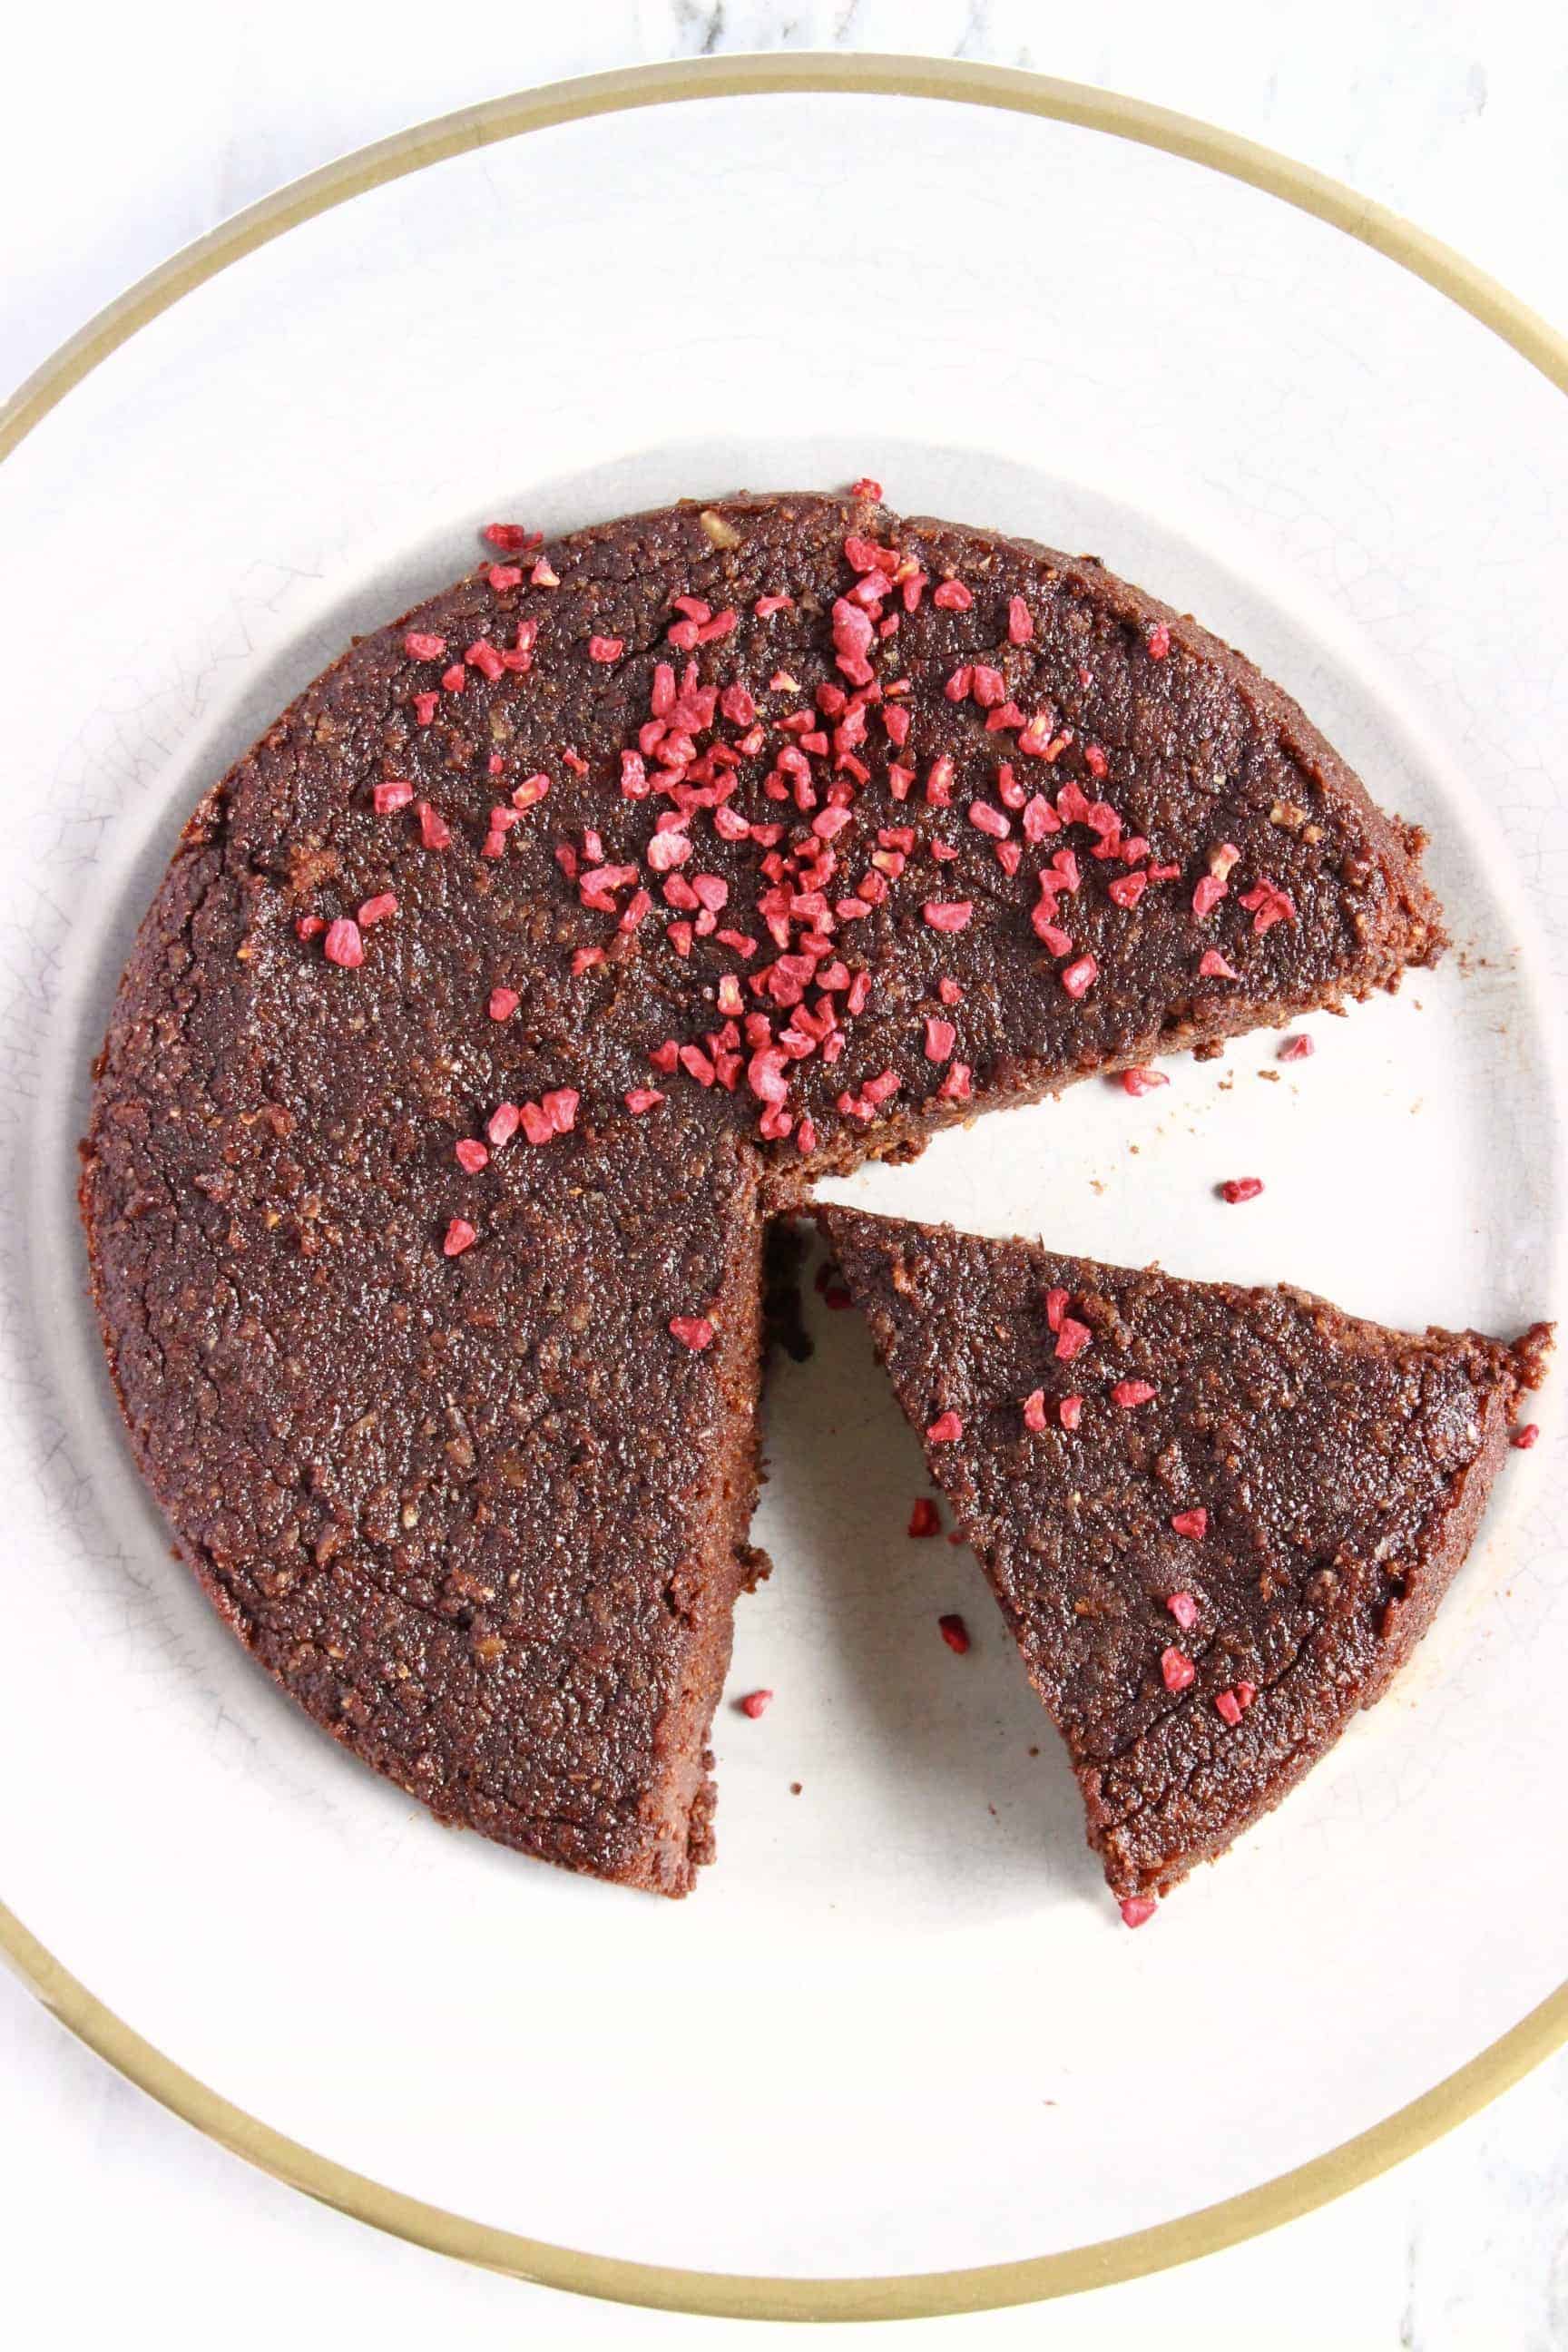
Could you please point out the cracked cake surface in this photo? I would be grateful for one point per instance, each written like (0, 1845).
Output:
(558, 934)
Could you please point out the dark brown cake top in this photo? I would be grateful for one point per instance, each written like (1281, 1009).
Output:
(1215, 1518)
(842, 820)
(549, 935)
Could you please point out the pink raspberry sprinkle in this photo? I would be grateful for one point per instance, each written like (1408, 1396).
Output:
(756, 1703)
(1141, 1082)
(945, 1430)
(503, 1002)
(460, 1235)
(1128, 1393)
(948, 915)
(343, 944)
(955, 1633)
(1194, 1525)
(1267, 904)
(1240, 1188)
(1137, 1909)
(924, 1517)
(1184, 1609)
(1069, 1412)
(1176, 1669)
(693, 1331)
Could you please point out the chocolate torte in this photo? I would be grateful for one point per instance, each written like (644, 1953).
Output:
(556, 936)
(1217, 1520)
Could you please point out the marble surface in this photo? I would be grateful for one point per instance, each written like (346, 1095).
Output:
(115, 2212)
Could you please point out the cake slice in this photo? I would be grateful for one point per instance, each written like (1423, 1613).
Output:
(1216, 1519)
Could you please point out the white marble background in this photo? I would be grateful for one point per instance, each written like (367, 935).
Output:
(125, 132)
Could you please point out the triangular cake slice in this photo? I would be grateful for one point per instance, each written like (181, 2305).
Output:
(1216, 1519)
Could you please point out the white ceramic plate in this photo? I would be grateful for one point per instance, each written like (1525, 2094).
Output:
(899, 2029)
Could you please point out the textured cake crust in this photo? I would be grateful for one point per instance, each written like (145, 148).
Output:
(423, 1427)
(1339, 1470)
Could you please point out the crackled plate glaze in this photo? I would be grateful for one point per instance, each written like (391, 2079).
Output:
(897, 2030)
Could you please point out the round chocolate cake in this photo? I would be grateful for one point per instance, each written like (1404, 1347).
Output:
(559, 934)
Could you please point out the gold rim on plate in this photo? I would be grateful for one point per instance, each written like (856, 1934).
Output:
(713, 2293)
